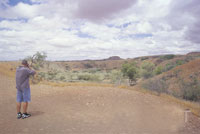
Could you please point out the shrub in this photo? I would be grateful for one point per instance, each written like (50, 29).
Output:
(88, 77)
(116, 76)
(191, 90)
(167, 57)
(130, 70)
(144, 58)
(157, 85)
(169, 66)
(180, 62)
(158, 70)
(87, 65)
(62, 78)
(41, 75)
(94, 70)
(52, 74)
(67, 67)
(37, 60)
(147, 69)
(172, 65)
(90, 64)
(36, 66)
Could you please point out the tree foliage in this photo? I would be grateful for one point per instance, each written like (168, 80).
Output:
(147, 69)
(158, 70)
(130, 70)
(37, 60)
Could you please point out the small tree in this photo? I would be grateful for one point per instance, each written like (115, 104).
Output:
(158, 70)
(130, 70)
(37, 60)
(147, 69)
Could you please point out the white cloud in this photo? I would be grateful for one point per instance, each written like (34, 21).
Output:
(21, 10)
(66, 31)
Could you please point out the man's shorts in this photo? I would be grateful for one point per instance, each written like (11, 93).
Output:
(23, 95)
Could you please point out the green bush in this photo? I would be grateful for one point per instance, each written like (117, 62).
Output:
(36, 66)
(147, 69)
(94, 70)
(158, 70)
(41, 75)
(52, 74)
(88, 77)
(167, 57)
(172, 65)
(67, 67)
(191, 90)
(62, 78)
(180, 62)
(144, 58)
(88, 65)
(169, 66)
(130, 70)
(157, 85)
(116, 76)
(37, 60)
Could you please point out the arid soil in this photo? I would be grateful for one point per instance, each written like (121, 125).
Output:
(91, 110)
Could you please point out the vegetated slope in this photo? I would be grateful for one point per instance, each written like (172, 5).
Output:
(161, 63)
(170, 61)
(183, 81)
(114, 62)
(106, 64)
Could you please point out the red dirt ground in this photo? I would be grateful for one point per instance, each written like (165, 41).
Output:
(91, 110)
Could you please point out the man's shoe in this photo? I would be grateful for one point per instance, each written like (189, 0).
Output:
(25, 115)
(19, 115)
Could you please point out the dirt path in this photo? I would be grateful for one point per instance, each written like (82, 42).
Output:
(88, 110)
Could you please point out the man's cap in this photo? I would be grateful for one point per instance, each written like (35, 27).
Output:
(24, 62)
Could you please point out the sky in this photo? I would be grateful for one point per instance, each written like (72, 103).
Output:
(98, 29)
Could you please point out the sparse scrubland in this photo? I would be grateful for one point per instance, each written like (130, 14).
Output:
(176, 75)
(91, 92)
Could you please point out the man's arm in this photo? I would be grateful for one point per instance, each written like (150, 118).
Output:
(31, 71)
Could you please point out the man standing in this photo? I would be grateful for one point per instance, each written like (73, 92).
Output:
(23, 88)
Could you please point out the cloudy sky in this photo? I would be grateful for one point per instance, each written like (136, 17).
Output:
(97, 29)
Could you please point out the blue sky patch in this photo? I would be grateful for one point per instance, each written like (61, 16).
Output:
(136, 36)
(19, 19)
(5, 29)
(85, 35)
(15, 2)
(110, 25)
(126, 24)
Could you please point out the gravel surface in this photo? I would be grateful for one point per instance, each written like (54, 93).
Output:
(91, 110)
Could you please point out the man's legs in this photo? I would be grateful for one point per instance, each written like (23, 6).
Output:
(23, 96)
(25, 107)
(18, 107)
(18, 104)
(19, 115)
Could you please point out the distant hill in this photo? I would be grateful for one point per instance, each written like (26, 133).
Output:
(114, 58)
(194, 54)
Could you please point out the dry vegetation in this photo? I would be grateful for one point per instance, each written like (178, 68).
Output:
(174, 75)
